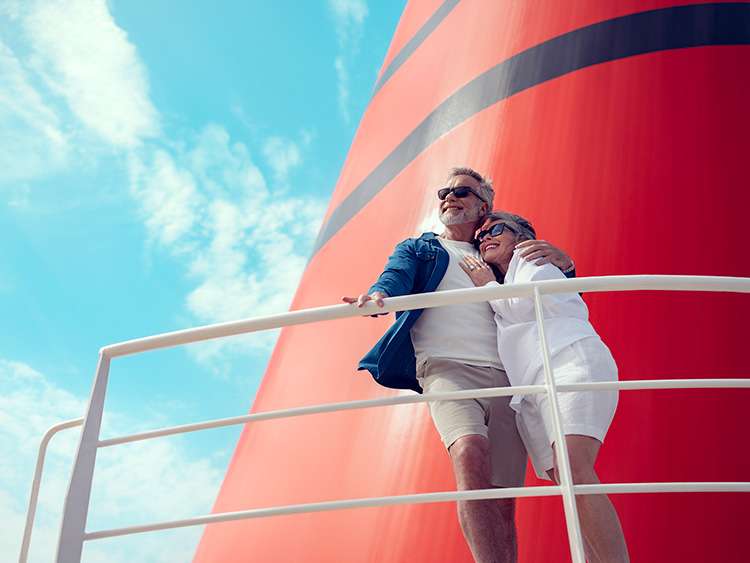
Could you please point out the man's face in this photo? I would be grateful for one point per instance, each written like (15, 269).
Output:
(461, 210)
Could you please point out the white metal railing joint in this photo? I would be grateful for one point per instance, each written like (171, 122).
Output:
(36, 482)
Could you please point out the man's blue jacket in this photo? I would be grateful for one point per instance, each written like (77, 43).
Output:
(417, 265)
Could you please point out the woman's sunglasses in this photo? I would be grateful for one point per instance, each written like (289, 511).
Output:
(458, 191)
(494, 231)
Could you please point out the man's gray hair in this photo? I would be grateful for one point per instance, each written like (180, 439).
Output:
(486, 192)
(523, 226)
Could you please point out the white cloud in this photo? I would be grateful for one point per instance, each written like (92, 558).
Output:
(31, 135)
(87, 59)
(10, 9)
(139, 483)
(342, 85)
(282, 155)
(223, 168)
(348, 18)
(168, 197)
(248, 243)
(69, 79)
(243, 242)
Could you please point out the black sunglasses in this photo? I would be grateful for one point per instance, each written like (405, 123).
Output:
(495, 231)
(458, 191)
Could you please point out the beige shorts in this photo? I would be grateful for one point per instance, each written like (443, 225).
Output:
(492, 417)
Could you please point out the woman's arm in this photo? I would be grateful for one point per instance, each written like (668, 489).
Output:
(522, 270)
(481, 274)
(478, 270)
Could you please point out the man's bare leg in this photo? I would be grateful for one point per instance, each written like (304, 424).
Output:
(488, 525)
(600, 526)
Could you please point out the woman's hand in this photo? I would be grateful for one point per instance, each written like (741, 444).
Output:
(479, 271)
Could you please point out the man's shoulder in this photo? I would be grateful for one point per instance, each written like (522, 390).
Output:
(425, 247)
(424, 238)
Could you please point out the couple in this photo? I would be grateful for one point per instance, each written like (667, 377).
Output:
(473, 346)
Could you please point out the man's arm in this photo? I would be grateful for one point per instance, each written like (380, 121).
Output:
(397, 277)
(541, 252)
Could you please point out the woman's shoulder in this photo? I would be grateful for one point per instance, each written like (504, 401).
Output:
(522, 270)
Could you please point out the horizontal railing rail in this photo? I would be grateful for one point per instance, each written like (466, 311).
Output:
(73, 532)
(424, 498)
(429, 300)
(631, 385)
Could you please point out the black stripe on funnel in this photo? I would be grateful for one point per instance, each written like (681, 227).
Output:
(726, 23)
(413, 44)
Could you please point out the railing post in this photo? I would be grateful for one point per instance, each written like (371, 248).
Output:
(76, 508)
(563, 461)
(36, 481)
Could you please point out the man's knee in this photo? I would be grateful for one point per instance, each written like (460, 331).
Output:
(472, 449)
(471, 461)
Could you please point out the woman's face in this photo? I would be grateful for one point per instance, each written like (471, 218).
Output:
(497, 249)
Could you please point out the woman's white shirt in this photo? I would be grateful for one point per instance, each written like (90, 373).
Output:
(565, 321)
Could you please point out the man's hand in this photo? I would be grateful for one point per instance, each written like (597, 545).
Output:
(479, 271)
(376, 296)
(541, 252)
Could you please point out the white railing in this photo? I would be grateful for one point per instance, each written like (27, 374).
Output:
(36, 482)
(73, 532)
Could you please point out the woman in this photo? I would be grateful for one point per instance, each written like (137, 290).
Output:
(577, 355)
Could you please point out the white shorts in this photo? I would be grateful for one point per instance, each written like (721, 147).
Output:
(586, 413)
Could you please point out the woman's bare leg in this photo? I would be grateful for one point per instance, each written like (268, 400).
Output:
(600, 526)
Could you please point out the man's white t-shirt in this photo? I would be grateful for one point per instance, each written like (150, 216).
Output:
(466, 333)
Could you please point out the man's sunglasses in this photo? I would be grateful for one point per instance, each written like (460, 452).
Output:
(458, 191)
(495, 231)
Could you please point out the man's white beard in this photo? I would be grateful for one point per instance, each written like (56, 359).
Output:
(464, 216)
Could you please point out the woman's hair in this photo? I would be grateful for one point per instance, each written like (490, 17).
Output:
(523, 226)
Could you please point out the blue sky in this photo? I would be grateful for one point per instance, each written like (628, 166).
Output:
(162, 165)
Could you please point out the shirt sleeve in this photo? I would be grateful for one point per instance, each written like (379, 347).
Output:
(529, 272)
(398, 276)
(496, 304)
(523, 307)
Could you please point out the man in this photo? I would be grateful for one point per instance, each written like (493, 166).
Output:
(452, 348)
